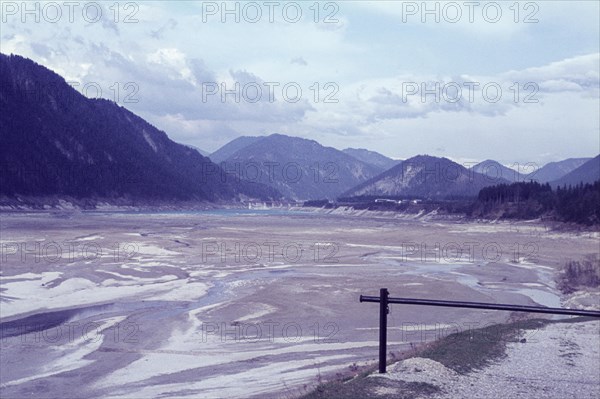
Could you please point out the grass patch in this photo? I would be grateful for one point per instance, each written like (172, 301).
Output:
(371, 388)
(577, 275)
(476, 348)
(461, 352)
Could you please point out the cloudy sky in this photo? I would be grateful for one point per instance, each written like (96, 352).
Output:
(516, 82)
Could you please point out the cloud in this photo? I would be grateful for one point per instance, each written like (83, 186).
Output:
(475, 18)
(107, 18)
(160, 32)
(174, 62)
(581, 73)
(299, 61)
(371, 56)
(418, 96)
(41, 49)
(244, 77)
(200, 71)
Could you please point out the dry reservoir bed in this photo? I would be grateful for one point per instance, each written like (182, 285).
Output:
(244, 303)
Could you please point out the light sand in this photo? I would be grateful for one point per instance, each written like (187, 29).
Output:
(208, 304)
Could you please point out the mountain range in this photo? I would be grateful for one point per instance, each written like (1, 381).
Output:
(223, 153)
(372, 157)
(298, 168)
(440, 178)
(495, 170)
(588, 172)
(548, 173)
(58, 143)
(425, 176)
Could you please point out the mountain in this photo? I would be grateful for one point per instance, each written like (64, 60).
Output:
(56, 142)
(201, 151)
(495, 170)
(232, 147)
(372, 157)
(589, 172)
(427, 177)
(555, 170)
(298, 168)
(547, 173)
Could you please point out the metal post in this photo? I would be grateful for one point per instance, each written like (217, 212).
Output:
(482, 305)
(383, 312)
(384, 301)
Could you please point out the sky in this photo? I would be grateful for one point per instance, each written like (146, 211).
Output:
(517, 82)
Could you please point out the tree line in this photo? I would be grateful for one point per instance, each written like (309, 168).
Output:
(575, 204)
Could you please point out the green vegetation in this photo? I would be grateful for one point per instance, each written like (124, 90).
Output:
(461, 352)
(579, 204)
(475, 349)
(363, 387)
(577, 275)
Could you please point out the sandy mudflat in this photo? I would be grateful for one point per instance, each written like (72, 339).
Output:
(231, 304)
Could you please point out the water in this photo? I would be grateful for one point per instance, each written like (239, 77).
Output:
(228, 212)
(542, 297)
(452, 272)
(222, 290)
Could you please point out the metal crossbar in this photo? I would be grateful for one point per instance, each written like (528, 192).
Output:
(384, 300)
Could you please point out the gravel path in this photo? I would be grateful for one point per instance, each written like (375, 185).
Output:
(559, 361)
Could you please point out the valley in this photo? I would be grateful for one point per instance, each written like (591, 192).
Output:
(194, 196)
(253, 303)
